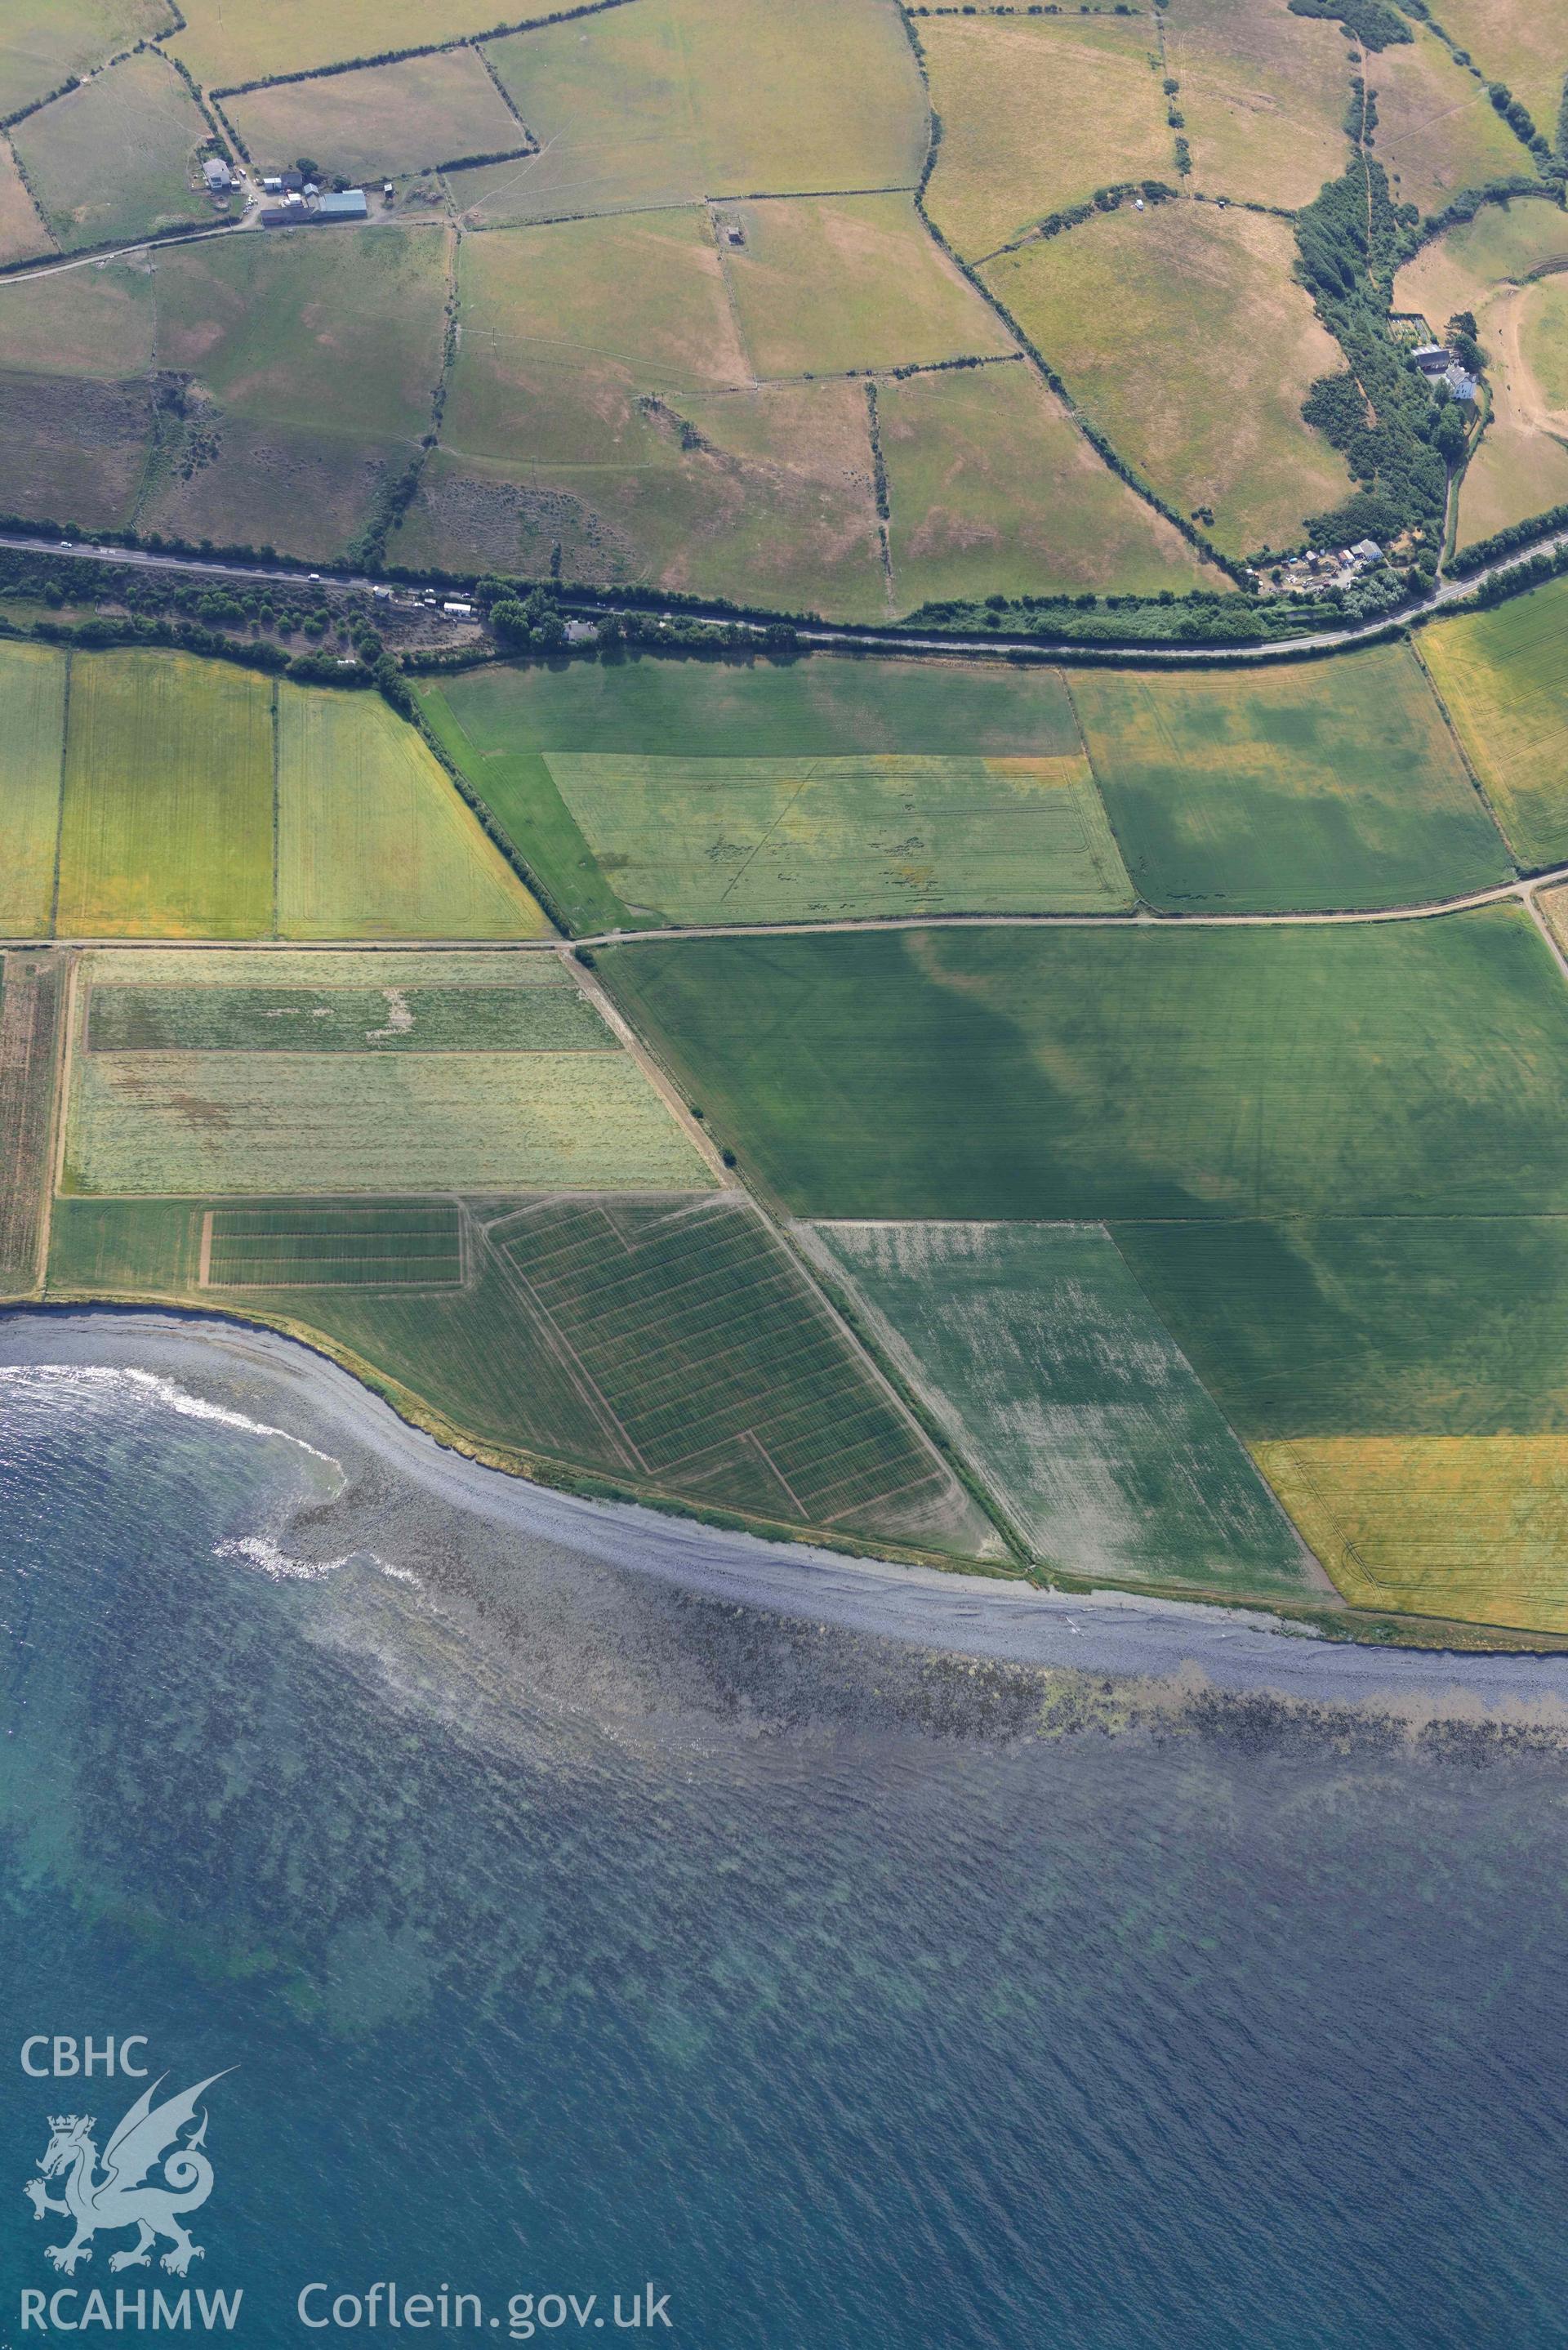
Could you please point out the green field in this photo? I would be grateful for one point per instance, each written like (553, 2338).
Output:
(247, 1122)
(1502, 676)
(383, 122)
(994, 490)
(1424, 1325)
(724, 1373)
(167, 826)
(1125, 1072)
(71, 36)
(32, 994)
(1036, 114)
(1287, 788)
(409, 1244)
(31, 741)
(1183, 336)
(826, 284)
(95, 321)
(508, 729)
(113, 160)
(670, 1347)
(823, 707)
(208, 1118)
(1040, 1355)
(335, 334)
(373, 840)
(773, 840)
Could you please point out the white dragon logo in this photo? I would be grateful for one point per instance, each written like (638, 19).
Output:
(148, 2135)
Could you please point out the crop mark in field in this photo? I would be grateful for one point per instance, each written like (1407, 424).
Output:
(704, 1349)
(416, 1245)
(29, 1044)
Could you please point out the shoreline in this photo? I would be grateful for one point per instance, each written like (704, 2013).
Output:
(1239, 1651)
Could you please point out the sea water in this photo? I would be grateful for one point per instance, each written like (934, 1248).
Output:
(604, 1957)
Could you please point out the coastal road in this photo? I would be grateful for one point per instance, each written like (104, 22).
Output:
(825, 635)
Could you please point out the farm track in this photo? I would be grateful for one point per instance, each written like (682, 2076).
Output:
(1521, 892)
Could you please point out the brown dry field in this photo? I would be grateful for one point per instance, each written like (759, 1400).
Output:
(776, 506)
(224, 44)
(1036, 114)
(562, 330)
(992, 488)
(1523, 43)
(1263, 94)
(774, 503)
(824, 284)
(671, 100)
(479, 514)
(1436, 129)
(22, 231)
(385, 121)
(304, 492)
(1183, 336)
(70, 447)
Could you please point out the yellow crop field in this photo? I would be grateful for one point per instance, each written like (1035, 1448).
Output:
(1468, 1526)
(113, 159)
(672, 100)
(1037, 113)
(373, 840)
(32, 736)
(167, 824)
(825, 284)
(1182, 334)
(992, 488)
(239, 1122)
(1263, 96)
(391, 118)
(1503, 678)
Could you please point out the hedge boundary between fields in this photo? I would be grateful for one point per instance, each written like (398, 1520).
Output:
(502, 32)
(1109, 455)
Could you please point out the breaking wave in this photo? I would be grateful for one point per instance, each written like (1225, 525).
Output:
(44, 1378)
(262, 1553)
